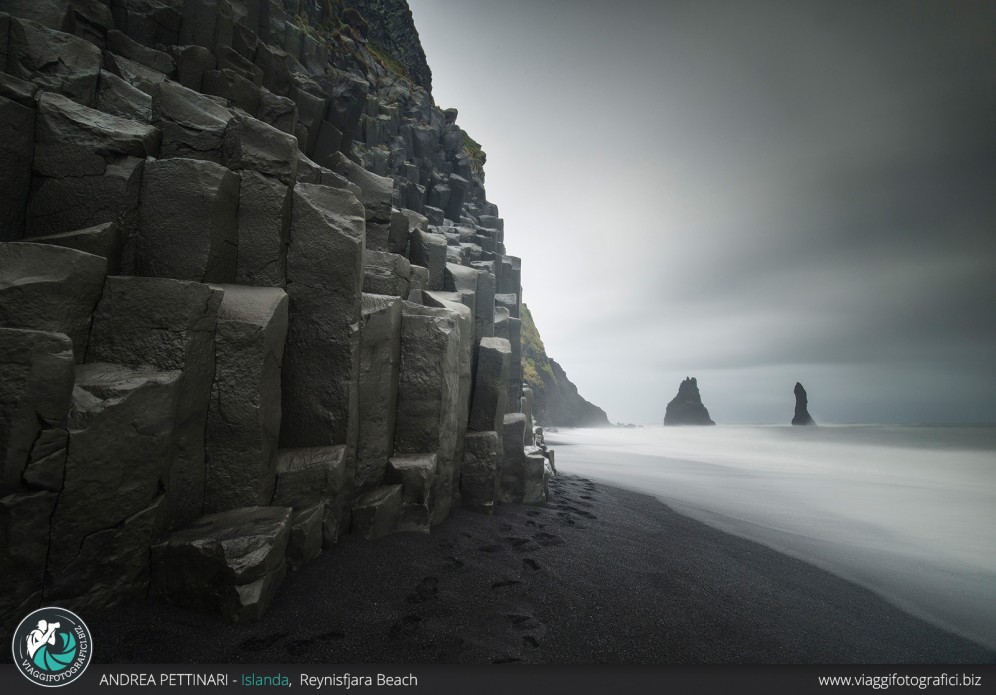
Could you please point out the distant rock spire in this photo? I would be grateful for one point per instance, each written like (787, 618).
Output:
(686, 408)
(802, 416)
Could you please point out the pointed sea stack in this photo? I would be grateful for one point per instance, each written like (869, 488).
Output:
(686, 408)
(802, 416)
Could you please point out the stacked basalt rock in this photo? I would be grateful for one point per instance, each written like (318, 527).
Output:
(252, 297)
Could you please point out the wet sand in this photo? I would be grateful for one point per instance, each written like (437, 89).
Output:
(601, 575)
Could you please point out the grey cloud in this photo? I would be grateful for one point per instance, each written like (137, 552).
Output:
(752, 192)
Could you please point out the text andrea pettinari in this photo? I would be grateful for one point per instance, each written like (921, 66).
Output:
(348, 680)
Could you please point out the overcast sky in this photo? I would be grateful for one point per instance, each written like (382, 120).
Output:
(753, 193)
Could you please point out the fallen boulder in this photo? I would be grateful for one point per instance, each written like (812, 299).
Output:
(230, 563)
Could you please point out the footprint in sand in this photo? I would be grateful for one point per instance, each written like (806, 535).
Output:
(298, 647)
(516, 541)
(453, 563)
(258, 644)
(505, 582)
(493, 548)
(407, 626)
(426, 590)
(450, 647)
(530, 564)
(524, 621)
(530, 641)
(575, 510)
(547, 539)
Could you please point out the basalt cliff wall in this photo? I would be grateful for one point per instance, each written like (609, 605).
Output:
(253, 297)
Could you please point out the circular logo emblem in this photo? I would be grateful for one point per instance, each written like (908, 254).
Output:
(52, 647)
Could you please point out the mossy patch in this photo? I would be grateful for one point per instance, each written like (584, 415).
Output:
(536, 369)
(391, 63)
(477, 155)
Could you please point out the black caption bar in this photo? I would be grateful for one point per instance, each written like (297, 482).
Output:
(515, 679)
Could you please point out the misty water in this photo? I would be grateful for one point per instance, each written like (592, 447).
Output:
(908, 512)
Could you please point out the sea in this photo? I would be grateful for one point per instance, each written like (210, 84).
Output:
(908, 512)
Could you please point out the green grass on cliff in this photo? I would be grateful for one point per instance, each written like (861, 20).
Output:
(535, 363)
(473, 149)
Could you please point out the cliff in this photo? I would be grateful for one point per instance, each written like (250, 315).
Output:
(248, 282)
(556, 401)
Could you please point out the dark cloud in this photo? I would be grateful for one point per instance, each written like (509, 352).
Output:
(750, 191)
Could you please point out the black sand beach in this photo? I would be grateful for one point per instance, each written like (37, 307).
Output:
(602, 575)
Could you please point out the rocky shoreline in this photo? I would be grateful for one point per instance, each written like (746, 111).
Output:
(600, 575)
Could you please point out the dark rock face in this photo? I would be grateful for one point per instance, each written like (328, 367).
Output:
(102, 240)
(390, 26)
(169, 324)
(417, 476)
(17, 125)
(487, 408)
(252, 297)
(36, 386)
(480, 478)
(380, 360)
(244, 419)
(324, 283)
(802, 416)
(87, 167)
(188, 220)
(429, 392)
(377, 512)
(110, 509)
(48, 288)
(686, 408)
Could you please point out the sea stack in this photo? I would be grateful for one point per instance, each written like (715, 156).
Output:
(686, 408)
(802, 416)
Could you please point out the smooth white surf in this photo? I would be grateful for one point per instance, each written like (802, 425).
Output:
(908, 512)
